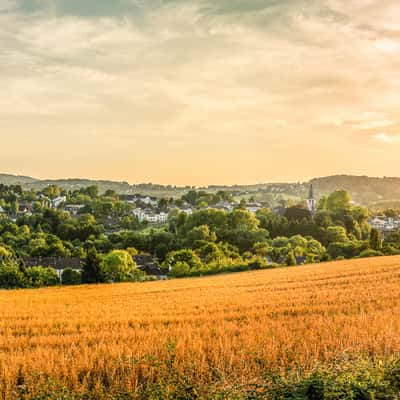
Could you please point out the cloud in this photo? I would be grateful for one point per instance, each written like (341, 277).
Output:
(387, 139)
(194, 75)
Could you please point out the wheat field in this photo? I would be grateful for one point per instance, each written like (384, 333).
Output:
(227, 328)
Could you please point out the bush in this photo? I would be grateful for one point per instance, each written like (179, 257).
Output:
(118, 266)
(41, 276)
(11, 277)
(71, 277)
(370, 253)
(180, 269)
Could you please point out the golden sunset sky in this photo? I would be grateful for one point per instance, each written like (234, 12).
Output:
(199, 91)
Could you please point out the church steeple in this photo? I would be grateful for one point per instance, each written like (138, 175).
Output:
(311, 202)
(311, 192)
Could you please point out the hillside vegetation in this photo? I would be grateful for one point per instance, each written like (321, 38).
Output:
(365, 190)
(237, 336)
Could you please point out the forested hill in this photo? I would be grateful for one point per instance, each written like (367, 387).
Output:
(365, 190)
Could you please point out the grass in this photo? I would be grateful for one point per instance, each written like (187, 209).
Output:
(246, 335)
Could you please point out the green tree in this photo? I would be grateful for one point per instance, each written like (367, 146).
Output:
(41, 276)
(119, 266)
(336, 234)
(180, 269)
(71, 277)
(290, 259)
(338, 200)
(11, 277)
(92, 272)
(182, 256)
(375, 239)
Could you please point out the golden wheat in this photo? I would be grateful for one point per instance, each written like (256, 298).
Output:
(234, 326)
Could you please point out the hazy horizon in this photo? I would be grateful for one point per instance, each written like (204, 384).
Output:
(199, 92)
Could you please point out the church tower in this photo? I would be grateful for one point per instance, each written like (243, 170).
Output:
(311, 202)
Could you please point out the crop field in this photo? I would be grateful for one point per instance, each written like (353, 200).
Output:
(224, 331)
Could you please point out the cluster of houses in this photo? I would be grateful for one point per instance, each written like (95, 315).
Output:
(385, 224)
(158, 217)
(229, 207)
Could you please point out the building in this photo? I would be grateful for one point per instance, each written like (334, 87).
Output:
(148, 215)
(55, 203)
(253, 207)
(385, 224)
(135, 198)
(223, 205)
(311, 202)
(74, 209)
(150, 266)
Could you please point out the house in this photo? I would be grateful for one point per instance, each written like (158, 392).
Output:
(135, 198)
(254, 207)
(73, 209)
(150, 216)
(150, 266)
(25, 209)
(58, 263)
(55, 203)
(223, 205)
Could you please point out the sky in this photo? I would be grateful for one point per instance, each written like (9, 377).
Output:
(199, 91)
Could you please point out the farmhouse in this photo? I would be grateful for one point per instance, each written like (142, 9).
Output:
(149, 265)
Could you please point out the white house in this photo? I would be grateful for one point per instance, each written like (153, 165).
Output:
(55, 203)
(73, 209)
(150, 216)
(253, 207)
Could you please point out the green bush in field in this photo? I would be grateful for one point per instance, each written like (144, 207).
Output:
(71, 277)
(11, 277)
(41, 276)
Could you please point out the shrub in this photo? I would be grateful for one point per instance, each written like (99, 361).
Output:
(370, 253)
(11, 277)
(180, 269)
(119, 266)
(71, 277)
(41, 276)
(188, 257)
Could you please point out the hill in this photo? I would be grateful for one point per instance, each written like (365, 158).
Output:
(193, 338)
(8, 179)
(364, 189)
(379, 192)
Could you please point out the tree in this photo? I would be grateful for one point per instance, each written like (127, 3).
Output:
(198, 235)
(14, 208)
(51, 191)
(338, 200)
(182, 256)
(119, 266)
(4, 253)
(71, 277)
(41, 276)
(11, 277)
(92, 191)
(336, 234)
(92, 272)
(180, 269)
(290, 259)
(375, 239)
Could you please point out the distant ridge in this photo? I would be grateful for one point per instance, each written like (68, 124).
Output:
(364, 189)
